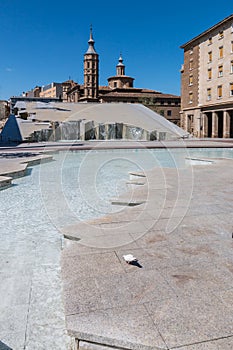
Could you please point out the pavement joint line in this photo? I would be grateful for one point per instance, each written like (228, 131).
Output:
(107, 346)
(117, 256)
(28, 311)
(201, 342)
(148, 313)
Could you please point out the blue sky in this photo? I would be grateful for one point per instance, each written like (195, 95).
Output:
(45, 41)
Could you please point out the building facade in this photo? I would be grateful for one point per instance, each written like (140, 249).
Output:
(207, 82)
(4, 109)
(34, 92)
(53, 90)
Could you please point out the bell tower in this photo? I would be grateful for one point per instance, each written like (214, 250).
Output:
(91, 72)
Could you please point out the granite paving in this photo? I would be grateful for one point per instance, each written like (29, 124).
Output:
(31, 306)
(179, 294)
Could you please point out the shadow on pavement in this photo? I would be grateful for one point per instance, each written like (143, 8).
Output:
(4, 346)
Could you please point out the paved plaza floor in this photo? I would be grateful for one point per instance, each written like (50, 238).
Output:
(179, 294)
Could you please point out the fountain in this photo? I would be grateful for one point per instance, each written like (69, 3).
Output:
(70, 130)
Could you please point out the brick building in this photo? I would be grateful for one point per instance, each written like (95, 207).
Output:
(207, 82)
(4, 109)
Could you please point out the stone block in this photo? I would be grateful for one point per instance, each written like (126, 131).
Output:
(83, 345)
(128, 327)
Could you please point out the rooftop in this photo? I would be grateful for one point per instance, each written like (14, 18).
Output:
(209, 30)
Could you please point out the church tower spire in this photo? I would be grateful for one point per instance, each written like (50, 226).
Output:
(120, 67)
(91, 42)
(91, 71)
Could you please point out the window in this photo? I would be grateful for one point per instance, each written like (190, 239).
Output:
(210, 56)
(88, 64)
(161, 112)
(169, 113)
(231, 89)
(231, 67)
(191, 64)
(219, 91)
(190, 97)
(210, 41)
(220, 52)
(209, 94)
(232, 47)
(220, 71)
(115, 84)
(220, 34)
(191, 79)
(191, 50)
(209, 73)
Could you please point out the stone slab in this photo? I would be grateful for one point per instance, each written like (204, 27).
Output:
(128, 327)
(5, 182)
(191, 319)
(219, 344)
(112, 291)
(83, 345)
(185, 273)
(92, 265)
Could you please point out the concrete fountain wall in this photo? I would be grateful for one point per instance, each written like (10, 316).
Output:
(90, 130)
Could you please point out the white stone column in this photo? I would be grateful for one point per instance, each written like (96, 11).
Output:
(204, 125)
(214, 124)
(226, 124)
(186, 123)
(199, 126)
